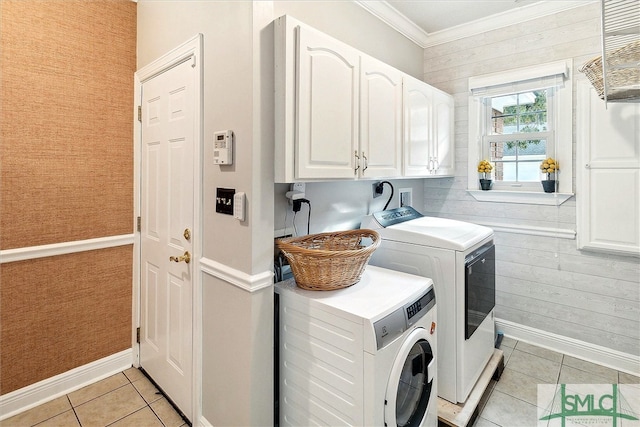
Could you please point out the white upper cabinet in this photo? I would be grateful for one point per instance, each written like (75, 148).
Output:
(417, 123)
(339, 113)
(428, 127)
(442, 130)
(380, 119)
(328, 100)
(608, 174)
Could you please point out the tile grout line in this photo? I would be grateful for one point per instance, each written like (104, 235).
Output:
(130, 382)
(562, 364)
(560, 371)
(75, 414)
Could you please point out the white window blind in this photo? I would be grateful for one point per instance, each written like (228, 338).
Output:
(519, 80)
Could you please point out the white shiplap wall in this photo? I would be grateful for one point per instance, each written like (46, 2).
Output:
(543, 283)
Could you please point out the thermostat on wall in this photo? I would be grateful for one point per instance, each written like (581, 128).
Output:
(223, 147)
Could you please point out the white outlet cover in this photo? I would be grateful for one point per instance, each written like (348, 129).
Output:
(406, 196)
(298, 186)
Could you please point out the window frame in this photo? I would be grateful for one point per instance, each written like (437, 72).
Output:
(560, 117)
(548, 135)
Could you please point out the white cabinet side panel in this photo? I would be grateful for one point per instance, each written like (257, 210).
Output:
(321, 366)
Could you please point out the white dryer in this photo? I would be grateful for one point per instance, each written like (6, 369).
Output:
(362, 355)
(460, 258)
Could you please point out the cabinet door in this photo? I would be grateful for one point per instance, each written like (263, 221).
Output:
(327, 107)
(608, 174)
(612, 223)
(380, 119)
(443, 141)
(417, 101)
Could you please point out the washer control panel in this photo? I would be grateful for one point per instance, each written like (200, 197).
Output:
(396, 216)
(394, 324)
(419, 308)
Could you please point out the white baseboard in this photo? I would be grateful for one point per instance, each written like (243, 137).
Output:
(582, 350)
(205, 422)
(43, 391)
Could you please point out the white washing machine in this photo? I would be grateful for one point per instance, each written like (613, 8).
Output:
(362, 355)
(460, 258)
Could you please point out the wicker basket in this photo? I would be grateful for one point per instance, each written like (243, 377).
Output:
(621, 78)
(329, 261)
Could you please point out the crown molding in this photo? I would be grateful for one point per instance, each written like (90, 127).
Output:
(396, 20)
(388, 14)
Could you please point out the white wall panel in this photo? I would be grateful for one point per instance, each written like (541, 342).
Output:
(546, 319)
(623, 290)
(542, 282)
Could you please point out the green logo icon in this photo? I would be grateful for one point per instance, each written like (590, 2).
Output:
(603, 404)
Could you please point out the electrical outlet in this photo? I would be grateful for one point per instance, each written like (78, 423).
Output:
(378, 189)
(296, 191)
(406, 197)
(298, 186)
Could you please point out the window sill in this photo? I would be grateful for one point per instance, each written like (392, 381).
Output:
(525, 197)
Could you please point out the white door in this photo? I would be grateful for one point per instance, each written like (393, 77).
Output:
(327, 98)
(167, 220)
(380, 119)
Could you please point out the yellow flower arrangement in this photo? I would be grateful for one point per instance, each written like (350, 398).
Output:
(549, 166)
(484, 169)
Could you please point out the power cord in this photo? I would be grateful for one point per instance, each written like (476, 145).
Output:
(297, 205)
(380, 189)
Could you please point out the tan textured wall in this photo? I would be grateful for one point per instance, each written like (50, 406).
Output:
(66, 174)
(67, 92)
(62, 312)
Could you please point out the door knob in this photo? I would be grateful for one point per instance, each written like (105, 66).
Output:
(186, 258)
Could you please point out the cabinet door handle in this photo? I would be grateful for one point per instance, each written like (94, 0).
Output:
(355, 171)
(436, 164)
(366, 162)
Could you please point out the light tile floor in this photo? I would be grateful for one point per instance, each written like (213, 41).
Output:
(512, 401)
(126, 399)
(130, 399)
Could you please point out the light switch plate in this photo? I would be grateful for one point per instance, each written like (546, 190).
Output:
(238, 206)
(224, 200)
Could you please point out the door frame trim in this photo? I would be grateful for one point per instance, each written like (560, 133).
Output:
(192, 49)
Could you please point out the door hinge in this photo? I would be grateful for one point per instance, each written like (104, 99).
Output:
(139, 224)
(138, 335)
(139, 113)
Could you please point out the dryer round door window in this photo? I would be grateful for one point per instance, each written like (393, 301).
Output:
(411, 381)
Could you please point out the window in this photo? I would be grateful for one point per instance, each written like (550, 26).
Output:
(519, 135)
(517, 119)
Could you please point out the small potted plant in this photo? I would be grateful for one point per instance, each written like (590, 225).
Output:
(549, 167)
(484, 172)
